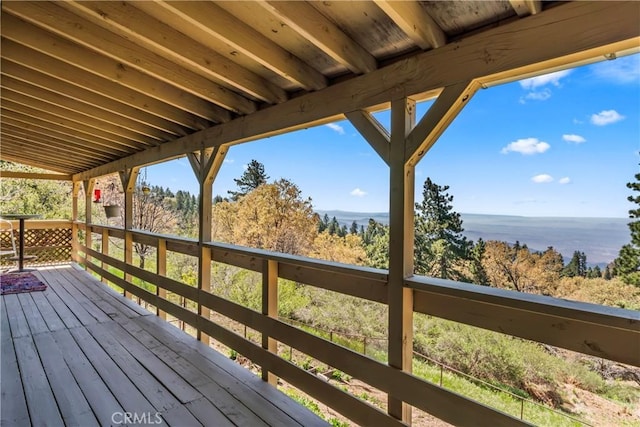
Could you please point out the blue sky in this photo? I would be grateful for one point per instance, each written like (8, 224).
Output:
(563, 144)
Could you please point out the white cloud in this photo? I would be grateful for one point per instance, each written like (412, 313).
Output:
(573, 138)
(620, 71)
(565, 180)
(527, 146)
(542, 95)
(358, 192)
(542, 178)
(337, 128)
(228, 161)
(606, 117)
(551, 78)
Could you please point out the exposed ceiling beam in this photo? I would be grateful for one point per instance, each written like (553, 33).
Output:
(15, 29)
(77, 106)
(588, 30)
(216, 22)
(88, 34)
(146, 106)
(82, 119)
(526, 7)
(313, 26)
(34, 175)
(24, 159)
(130, 22)
(415, 22)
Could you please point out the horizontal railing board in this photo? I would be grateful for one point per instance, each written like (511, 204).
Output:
(607, 332)
(164, 282)
(444, 404)
(355, 409)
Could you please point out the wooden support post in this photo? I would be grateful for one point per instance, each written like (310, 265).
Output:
(401, 236)
(105, 250)
(88, 205)
(269, 308)
(74, 219)
(161, 270)
(205, 163)
(128, 178)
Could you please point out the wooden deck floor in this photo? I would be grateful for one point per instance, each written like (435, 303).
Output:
(79, 354)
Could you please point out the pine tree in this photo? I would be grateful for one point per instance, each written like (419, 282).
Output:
(479, 274)
(577, 267)
(354, 228)
(440, 248)
(253, 177)
(627, 265)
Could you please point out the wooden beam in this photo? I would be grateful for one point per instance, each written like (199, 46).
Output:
(111, 89)
(372, 131)
(33, 175)
(439, 116)
(313, 26)
(401, 218)
(18, 30)
(79, 120)
(86, 32)
(78, 107)
(12, 143)
(216, 22)
(130, 22)
(526, 7)
(107, 107)
(415, 22)
(588, 30)
(24, 159)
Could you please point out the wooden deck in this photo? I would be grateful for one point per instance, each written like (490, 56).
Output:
(79, 354)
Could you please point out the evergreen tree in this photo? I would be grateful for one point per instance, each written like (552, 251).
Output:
(334, 226)
(440, 248)
(253, 177)
(478, 273)
(627, 265)
(354, 228)
(577, 267)
(607, 273)
(323, 223)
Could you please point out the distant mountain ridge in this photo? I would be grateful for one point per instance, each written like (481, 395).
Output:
(599, 238)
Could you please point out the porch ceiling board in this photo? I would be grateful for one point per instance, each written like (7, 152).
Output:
(142, 82)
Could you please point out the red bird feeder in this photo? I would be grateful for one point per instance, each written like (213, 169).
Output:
(96, 196)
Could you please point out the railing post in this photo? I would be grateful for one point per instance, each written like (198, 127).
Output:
(269, 308)
(74, 218)
(128, 178)
(161, 270)
(105, 250)
(88, 189)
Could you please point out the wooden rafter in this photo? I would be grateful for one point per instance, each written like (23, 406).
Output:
(415, 22)
(33, 175)
(526, 7)
(130, 22)
(313, 26)
(14, 28)
(214, 21)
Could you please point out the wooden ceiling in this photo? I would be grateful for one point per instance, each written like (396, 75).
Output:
(90, 86)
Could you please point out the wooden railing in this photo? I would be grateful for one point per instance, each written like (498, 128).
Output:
(49, 240)
(606, 332)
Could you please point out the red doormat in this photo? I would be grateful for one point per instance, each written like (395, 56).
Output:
(15, 283)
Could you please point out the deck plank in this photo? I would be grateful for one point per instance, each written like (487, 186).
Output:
(271, 405)
(131, 399)
(13, 406)
(17, 320)
(164, 402)
(43, 409)
(96, 392)
(52, 319)
(56, 284)
(62, 310)
(78, 300)
(71, 401)
(35, 320)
